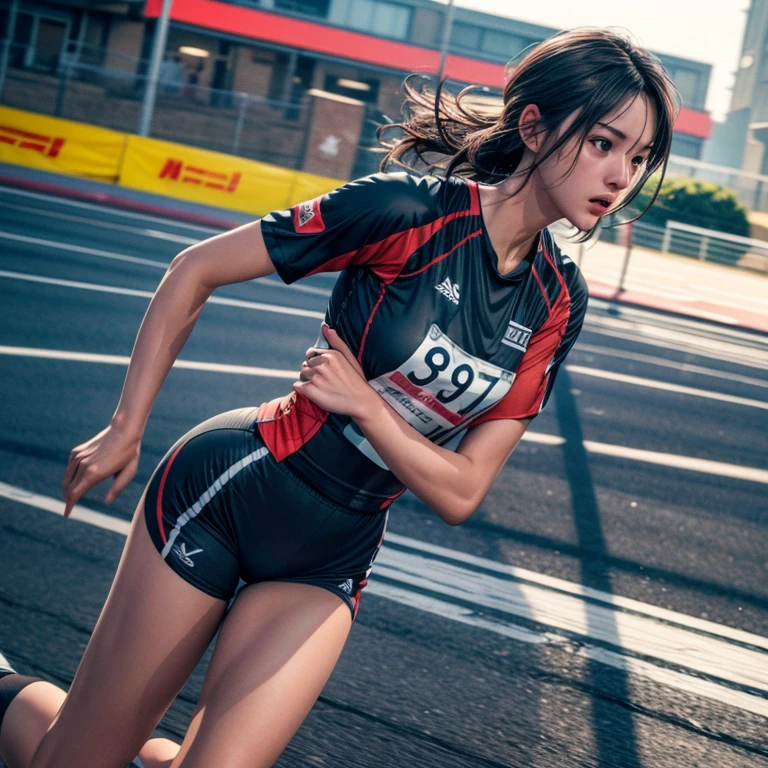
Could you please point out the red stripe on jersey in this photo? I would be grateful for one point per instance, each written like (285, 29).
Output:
(525, 397)
(444, 255)
(307, 219)
(161, 488)
(543, 290)
(474, 197)
(382, 291)
(387, 502)
(560, 278)
(387, 257)
(287, 423)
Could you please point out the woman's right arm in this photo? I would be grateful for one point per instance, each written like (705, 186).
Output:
(192, 276)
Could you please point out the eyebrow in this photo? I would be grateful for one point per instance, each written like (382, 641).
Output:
(621, 134)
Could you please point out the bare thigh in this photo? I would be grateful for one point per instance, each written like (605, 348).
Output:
(275, 652)
(152, 631)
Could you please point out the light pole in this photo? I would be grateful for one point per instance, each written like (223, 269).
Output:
(156, 59)
(10, 32)
(447, 28)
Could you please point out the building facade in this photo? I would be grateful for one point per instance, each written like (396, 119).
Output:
(237, 75)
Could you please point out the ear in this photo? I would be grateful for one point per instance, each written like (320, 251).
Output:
(530, 132)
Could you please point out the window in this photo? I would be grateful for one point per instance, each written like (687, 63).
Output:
(465, 36)
(307, 7)
(498, 43)
(386, 19)
(687, 83)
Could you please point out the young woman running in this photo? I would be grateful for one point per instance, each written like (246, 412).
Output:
(451, 315)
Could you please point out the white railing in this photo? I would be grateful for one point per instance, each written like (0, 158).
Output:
(711, 245)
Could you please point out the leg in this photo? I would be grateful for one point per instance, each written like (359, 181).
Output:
(275, 652)
(33, 711)
(151, 633)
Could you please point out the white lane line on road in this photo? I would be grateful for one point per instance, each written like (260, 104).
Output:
(49, 504)
(579, 590)
(112, 256)
(662, 385)
(678, 680)
(119, 212)
(191, 365)
(81, 249)
(221, 300)
(728, 352)
(624, 633)
(674, 460)
(102, 224)
(664, 363)
(632, 634)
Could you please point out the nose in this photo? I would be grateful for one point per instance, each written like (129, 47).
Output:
(620, 173)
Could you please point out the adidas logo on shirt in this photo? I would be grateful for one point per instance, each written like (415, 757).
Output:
(449, 289)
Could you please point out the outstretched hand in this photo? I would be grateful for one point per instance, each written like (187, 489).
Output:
(108, 453)
(333, 378)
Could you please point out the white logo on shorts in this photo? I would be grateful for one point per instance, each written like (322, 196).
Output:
(185, 557)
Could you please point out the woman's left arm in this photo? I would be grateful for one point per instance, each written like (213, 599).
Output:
(452, 483)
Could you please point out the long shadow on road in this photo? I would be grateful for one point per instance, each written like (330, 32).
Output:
(613, 727)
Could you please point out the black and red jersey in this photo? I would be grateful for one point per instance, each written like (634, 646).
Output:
(442, 336)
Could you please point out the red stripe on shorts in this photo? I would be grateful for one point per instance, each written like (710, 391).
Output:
(161, 489)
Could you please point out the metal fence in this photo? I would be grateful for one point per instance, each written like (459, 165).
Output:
(106, 88)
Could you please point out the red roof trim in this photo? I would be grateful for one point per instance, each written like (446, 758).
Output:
(347, 44)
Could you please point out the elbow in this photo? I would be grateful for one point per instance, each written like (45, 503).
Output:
(457, 511)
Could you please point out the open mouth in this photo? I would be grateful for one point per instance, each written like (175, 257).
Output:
(601, 201)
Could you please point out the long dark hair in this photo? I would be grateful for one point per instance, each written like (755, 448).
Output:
(591, 72)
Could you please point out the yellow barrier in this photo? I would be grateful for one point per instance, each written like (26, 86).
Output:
(62, 146)
(151, 165)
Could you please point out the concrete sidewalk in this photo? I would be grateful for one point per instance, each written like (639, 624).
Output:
(667, 283)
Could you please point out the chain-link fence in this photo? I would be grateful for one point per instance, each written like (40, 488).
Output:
(106, 88)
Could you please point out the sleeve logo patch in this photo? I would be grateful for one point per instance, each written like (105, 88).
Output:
(307, 219)
(306, 214)
(517, 336)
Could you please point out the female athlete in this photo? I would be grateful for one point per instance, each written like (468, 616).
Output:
(446, 326)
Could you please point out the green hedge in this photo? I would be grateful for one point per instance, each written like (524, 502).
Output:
(698, 203)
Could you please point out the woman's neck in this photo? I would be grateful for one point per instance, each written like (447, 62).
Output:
(513, 216)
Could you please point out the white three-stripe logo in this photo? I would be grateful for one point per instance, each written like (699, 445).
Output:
(449, 289)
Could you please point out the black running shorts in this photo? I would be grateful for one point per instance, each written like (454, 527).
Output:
(219, 508)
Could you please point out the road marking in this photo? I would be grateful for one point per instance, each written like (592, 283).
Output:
(279, 309)
(627, 664)
(721, 351)
(632, 631)
(111, 211)
(111, 255)
(81, 249)
(141, 231)
(660, 361)
(674, 460)
(640, 382)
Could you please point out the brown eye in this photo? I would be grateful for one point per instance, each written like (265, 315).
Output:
(604, 145)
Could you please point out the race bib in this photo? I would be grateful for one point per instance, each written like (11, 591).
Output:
(437, 390)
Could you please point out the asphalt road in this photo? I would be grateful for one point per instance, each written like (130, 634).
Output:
(607, 605)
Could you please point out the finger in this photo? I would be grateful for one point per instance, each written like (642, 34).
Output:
(336, 342)
(87, 476)
(122, 478)
(72, 464)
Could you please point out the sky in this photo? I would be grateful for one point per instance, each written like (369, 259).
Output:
(704, 30)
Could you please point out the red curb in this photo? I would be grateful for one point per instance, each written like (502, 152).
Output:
(106, 199)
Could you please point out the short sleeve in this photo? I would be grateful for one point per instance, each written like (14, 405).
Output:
(546, 352)
(352, 225)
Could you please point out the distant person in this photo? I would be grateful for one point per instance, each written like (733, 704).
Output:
(445, 330)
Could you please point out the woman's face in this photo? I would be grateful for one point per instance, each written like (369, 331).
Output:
(614, 151)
